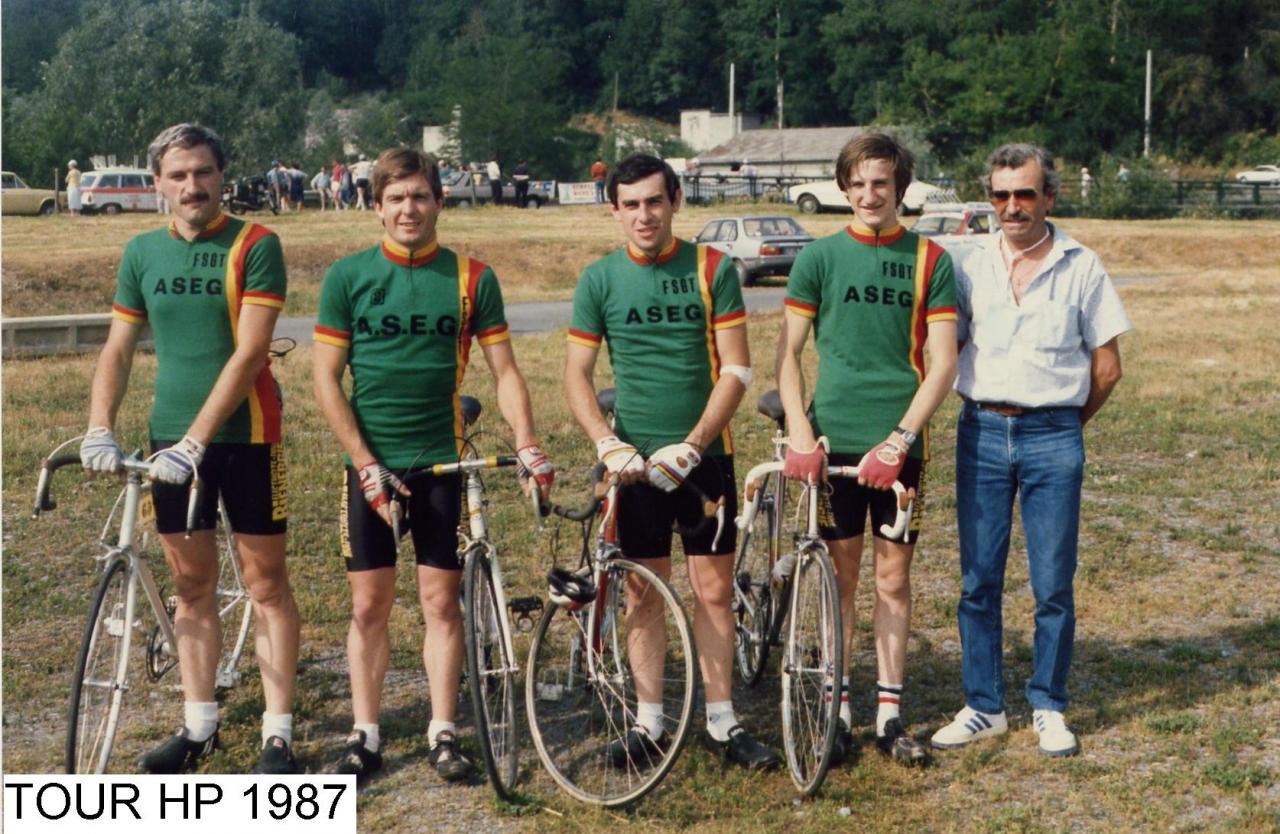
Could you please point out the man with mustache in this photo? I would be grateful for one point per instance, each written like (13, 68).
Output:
(210, 287)
(1039, 329)
(875, 296)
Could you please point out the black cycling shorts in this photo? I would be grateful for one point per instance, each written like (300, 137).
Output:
(250, 477)
(646, 514)
(434, 509)
(844, 514)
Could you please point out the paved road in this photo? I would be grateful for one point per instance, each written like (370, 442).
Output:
(537, 316)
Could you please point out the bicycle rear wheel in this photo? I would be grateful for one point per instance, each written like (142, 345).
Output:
(491, 674)
(753, 598)
(235, 611)
(99, 681)
(581, 693)
(811, 668)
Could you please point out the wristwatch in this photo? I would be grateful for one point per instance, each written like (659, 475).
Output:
(908, 435)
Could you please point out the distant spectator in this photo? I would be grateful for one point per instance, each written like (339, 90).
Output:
(73, 188)
(495, 180)
(1086, 181)
(749, 171)
(360, 173)
(335, 183)
(1123, 173)
(599, 173)
(320, 182)
(278, 182)
(348, 188)
(445, 168)
(521, 176)
(297, 186)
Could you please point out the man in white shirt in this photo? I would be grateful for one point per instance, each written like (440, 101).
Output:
(1039, 326)
(495, 180)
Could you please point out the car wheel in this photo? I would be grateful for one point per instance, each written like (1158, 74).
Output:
(464, 204)
(808, 204)
(47, 208)
(111, 208)
(744, 275)
(533, 202)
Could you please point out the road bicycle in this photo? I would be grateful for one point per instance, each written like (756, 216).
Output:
(589, 669)
(492, 670)
(785, 591)
(107, 667)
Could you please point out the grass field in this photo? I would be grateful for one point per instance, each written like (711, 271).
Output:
(1176, 680)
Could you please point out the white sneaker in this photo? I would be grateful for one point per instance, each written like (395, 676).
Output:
(1055, 738)
(969, 725)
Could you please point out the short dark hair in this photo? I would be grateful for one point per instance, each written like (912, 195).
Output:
(637, 167)
(1017, 154)
(876, 146)
(399, 163)
(186, 135)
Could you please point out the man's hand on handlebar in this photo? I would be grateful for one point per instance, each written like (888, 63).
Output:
(176, 464)
(809, 466)
(99, 451)
(670, 465)
(536, 468)
(622, 459)
(379, 486)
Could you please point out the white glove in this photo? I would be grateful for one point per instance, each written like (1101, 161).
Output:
(535, 464)
(378, 484)
(617, 456)
(99, 451)
(670, 465)
(175, 464)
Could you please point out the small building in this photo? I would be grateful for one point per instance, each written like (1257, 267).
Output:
(702, 130)
(797, 151)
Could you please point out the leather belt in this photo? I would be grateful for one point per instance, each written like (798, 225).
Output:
(1007, 409)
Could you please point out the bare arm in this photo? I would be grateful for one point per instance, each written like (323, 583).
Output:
(941, 343)
(111, 376)
(513, 393)
(580, 391)
(731, 344)
(328, 363)
(791, 342)
(1104, 373)
(253, 338)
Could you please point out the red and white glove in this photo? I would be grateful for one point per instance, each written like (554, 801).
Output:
(807, 467)
(670, 465)
(619, 457)
(879, 468)
(379, 484)
(535, 464)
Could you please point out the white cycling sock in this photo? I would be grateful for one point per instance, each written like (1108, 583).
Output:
(277, 724)
(435, 728)
(889, 696)
(720, 719)
(846, 712)
(200, 718)
(372, 738)
(649, 716)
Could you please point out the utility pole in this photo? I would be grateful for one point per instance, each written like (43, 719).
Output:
(1146, 116)
(777, 74)
(733, 127)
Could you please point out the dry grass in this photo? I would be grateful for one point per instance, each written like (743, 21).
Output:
(1175, 683)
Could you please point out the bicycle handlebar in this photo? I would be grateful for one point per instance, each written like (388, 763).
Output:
(711, 509)
(895, 531)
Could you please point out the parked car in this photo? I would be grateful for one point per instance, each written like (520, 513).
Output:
(20, 198)
(757, 245)
(461, 189)
(113, 190)
(1264, 174)
(825, 195)
(957, 226)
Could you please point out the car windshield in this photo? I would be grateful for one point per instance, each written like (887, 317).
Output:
(762, 226)
(88, 180)
(938, 224)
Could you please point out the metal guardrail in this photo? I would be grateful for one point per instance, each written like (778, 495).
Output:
(54, 335)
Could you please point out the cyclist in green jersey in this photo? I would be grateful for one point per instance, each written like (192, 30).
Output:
(875, 295)
(210, 286)
(402, 315)
(673, 315)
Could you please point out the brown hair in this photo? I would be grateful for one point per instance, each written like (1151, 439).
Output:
(875, 146)
(185, 136)
(400, 163)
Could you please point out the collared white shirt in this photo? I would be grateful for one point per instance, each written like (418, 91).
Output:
(1038, 352)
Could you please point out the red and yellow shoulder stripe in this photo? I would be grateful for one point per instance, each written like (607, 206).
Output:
(332, 336)
(129, 314)
(582, 337)
(802, 308)
(933, 253)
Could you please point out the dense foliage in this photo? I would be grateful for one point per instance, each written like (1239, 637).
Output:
(102, 77)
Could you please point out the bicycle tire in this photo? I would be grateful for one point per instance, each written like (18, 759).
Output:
(580, 692)
(235, 610)
(98, 683)
(811, 670)
(753, 595)
(491, 674)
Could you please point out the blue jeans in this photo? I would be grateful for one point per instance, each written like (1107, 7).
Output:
(1039, 456)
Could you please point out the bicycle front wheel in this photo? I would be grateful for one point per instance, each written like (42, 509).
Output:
(99, 682)
(491, 673)
(811, 669)
(753, 597)
(588, 671)
(235, 612)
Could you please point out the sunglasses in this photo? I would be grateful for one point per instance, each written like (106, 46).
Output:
(1023, 195)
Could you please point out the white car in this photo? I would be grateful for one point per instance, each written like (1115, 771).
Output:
(825, 195)
(113, 190)
(757, 245)
(1263, 174)
(957, 227)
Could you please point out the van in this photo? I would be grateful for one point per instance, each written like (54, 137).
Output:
(113, 190)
